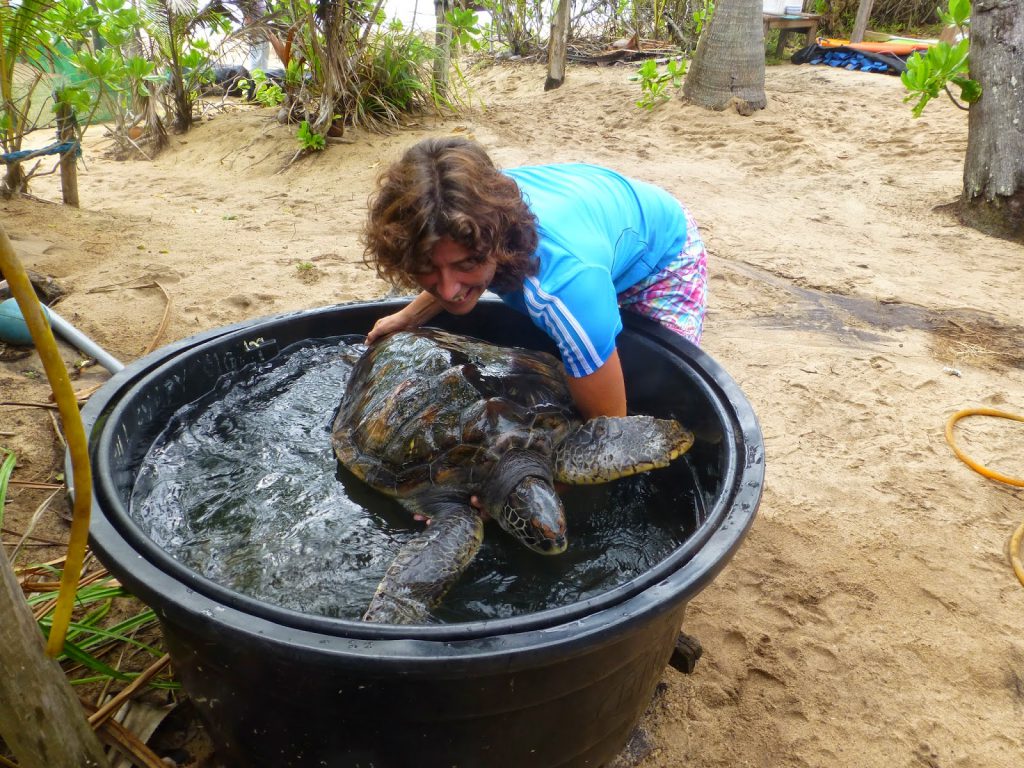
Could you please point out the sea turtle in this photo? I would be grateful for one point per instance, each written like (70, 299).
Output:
(433, 418)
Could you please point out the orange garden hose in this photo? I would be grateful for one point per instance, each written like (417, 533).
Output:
(1018, 535)
(74, 432)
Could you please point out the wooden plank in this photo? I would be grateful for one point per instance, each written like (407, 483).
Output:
(443, 42)
(861, 23)
(806, 23)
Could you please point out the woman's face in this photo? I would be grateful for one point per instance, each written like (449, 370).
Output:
(458, 277)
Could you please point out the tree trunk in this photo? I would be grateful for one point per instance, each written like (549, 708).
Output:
(443, 43)
(557, 44)
(993, 196)
(180, 97)
(728, 65)
(69, 160)
(333, 61)
(861, 23)
(41, 719)
(182, 106)
(15, 184)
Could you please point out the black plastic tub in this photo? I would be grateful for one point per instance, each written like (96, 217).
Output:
(562, 687)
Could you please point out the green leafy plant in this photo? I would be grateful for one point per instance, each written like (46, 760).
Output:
(466, 33)
(465, 24)
(26, 59)
(6, 469)
(395, 77)
(702, 16)
(654, 83)
(266, 93)
(943, 64)
(519, 24)
(112, 42)
(310, 141)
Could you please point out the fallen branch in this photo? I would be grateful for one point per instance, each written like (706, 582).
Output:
(56, 430)
(33, 537)
(84, 394)
(163, 321)
(27, 404)
(33, 521)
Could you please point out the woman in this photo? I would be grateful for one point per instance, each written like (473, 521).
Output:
(566, 244)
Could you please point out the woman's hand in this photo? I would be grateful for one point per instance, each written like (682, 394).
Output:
(388, 325)
(474, 502)
(412, 315)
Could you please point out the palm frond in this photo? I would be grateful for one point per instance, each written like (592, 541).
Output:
(23, 27)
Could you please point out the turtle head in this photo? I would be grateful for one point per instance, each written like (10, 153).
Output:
(521, 497)
(533, 513)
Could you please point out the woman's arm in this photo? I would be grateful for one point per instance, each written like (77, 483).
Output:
(414, 314)
(602, 393)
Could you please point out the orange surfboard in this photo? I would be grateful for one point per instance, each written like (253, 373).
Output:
(897, 49)
(900, 48)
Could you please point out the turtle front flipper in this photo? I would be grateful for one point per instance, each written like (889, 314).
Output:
(606, 448)
(427, 566)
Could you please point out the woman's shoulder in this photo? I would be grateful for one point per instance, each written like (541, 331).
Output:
(570, 275)
(559, 169)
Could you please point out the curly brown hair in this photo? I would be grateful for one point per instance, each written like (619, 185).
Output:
(448, 187)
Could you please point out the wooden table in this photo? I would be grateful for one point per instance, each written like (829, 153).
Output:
(802, 22)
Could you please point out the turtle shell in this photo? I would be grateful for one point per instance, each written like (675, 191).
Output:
(427, 411)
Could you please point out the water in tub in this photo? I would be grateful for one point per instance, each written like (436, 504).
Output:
(243, 487)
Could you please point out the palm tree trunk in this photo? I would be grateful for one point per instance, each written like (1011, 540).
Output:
(993, 195)
(728, 66)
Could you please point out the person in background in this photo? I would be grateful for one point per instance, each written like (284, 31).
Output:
(258, 57)
(568, 244)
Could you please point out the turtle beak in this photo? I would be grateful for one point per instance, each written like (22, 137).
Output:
(552, 544)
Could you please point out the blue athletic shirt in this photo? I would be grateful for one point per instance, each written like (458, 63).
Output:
(599, 234)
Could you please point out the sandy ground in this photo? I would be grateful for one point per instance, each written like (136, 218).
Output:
(871, 617)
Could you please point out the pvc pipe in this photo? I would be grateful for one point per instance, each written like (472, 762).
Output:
(83, 343)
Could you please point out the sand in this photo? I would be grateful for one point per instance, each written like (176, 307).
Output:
(871, 617)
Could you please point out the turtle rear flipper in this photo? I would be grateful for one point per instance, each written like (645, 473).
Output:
(608, 447)
(426, 567)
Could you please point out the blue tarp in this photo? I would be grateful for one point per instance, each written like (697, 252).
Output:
(850, 58)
